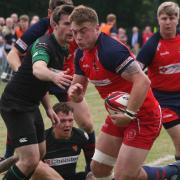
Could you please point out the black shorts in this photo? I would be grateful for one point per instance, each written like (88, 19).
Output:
(24, 128)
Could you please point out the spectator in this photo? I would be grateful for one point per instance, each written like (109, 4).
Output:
(15, 18)
(10, 38)
(34, 20)
(122, 35)
(147, 33)
(135, 40)
(109, 27)
(23, 25)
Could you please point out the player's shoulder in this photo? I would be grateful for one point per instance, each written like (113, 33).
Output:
(109, 45)
(80, 134)
(43, 42)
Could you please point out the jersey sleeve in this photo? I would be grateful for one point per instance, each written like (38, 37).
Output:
(34, 32)
(40, 52)
(115, 56)
(78, 56)
(147, 52)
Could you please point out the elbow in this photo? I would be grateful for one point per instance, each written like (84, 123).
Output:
(35, 71)
(147, 82)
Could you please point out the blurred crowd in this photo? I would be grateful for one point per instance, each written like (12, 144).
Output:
(12, 28)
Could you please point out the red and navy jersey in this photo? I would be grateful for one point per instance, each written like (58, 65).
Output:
(103, 66)
(162, 57)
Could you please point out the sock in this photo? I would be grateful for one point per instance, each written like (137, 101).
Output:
(177, 158)
(89, 150)
(14, 173)
(160, 173)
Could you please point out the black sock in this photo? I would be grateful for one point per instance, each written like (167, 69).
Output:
(14, 173)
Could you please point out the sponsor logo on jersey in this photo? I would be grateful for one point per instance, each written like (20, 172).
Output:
(39, 52)
(170, 69)
(62, 161)
(164, 53)
(75, 147)
(23, 140)
(86, 66)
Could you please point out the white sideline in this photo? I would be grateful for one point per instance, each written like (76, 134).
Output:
(161, 160)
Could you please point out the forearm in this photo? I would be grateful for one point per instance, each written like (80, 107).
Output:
(43, 73)
(138, 93)
(13, 59)
(46, 102)
(7, 163)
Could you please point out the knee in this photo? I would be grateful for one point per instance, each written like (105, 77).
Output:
(30, 162)
(100, 170)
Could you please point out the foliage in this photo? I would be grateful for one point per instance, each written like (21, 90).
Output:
(129, 13)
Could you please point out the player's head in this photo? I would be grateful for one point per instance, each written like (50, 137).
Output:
(168, 18)
(85, 26)
(65, 114)
(54, 3)
(169, 8)
(61, 24)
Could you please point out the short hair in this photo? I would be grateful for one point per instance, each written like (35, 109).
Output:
(169, 8)
(62, 107)
(83, 14)
(111, 17)
(24, 17)
(54, 3)
(61, 10)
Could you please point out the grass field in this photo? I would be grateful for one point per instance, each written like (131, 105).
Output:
(162, 148)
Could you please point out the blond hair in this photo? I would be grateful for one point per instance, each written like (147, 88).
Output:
(83, 14)
(169, 8)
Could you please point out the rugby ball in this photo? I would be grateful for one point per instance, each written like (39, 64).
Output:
(116, 102)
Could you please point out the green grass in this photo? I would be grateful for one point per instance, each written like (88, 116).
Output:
(162, 147)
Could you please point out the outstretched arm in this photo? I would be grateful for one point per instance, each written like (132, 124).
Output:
(7, 163)
(13, 59)
(78, 88)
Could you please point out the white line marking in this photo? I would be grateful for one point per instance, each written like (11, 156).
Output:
(161, 160)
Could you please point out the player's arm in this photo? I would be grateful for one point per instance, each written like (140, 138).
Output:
(13, 59)
(40, 60)
(22, 44)
(49, 110)
(147, 52)
(78, 88)
(79, 84)
(7, 163)
(140, 85)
